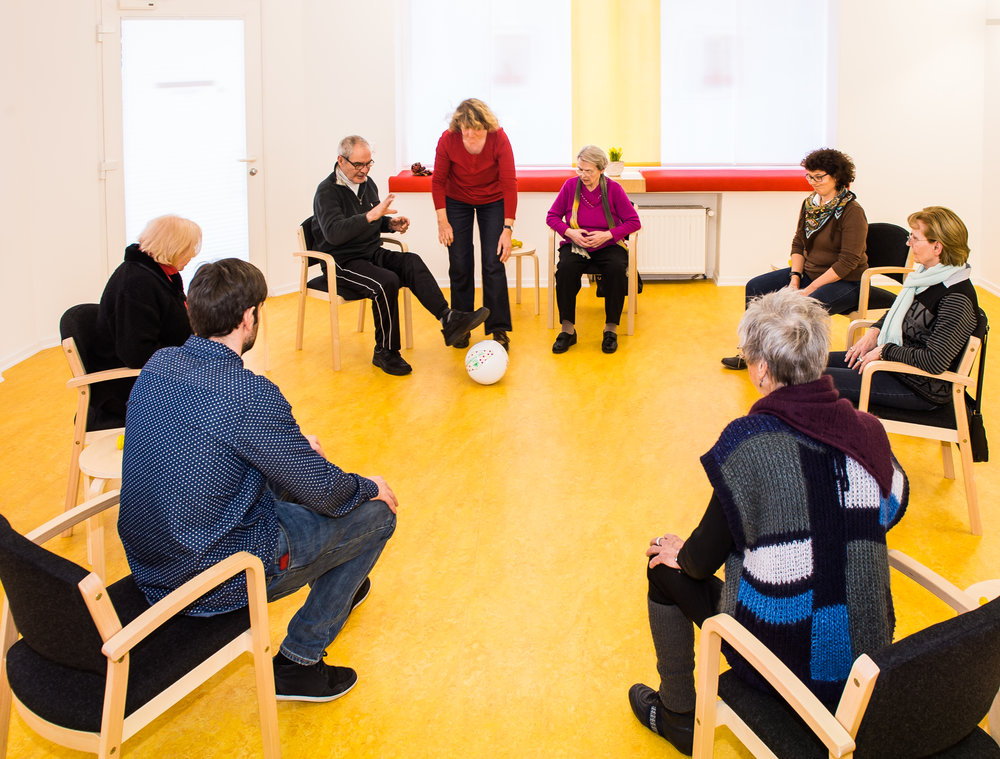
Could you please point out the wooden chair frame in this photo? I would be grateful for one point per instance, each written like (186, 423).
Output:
(120, 640)
(517, 254)
(961, 379)
(632, 307)
(305, 291)
(836, 730)
(862, 311)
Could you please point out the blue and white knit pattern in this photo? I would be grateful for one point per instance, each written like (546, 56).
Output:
(809, 573)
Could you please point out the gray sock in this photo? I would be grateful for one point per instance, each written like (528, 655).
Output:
(673, 641)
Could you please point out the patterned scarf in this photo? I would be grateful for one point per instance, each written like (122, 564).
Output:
(817, 214)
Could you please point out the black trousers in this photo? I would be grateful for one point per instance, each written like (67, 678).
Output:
(462, 261)
(697, 599)
(379, 278)
(611, 262)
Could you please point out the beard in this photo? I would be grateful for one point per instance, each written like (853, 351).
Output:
(250, 339)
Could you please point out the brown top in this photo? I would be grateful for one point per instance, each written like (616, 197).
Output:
(840, 244)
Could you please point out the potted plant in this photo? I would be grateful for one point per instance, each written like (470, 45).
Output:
(616, 165)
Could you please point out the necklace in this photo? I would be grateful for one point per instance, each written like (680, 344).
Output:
(583, 195)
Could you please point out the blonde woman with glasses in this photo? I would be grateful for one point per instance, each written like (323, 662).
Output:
(828, 251)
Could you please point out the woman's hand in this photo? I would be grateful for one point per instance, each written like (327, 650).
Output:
(503, 246)
(854, 354)
(597, 238)
(577, 236)
(445, 235)
(664, 550)
(875, 354)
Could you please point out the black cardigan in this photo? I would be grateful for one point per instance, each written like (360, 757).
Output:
(141, 311)
(339, 223)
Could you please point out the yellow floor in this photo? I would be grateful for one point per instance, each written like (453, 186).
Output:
(508, 613)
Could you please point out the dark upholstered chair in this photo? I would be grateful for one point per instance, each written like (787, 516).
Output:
(95, 664)
(319, 287)
(888, 255)
(922, 696)
(948, 423)
(98, 416)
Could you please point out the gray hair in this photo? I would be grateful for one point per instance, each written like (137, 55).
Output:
(347, 144)
(593, 154)
(790, 332)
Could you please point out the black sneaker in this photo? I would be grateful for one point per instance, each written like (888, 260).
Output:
(610, 342)
(311, 682)
(462, 343)
(501, 337)
(458, 324)
(649, 710)
(563, 342)
(734, 362)
(391, 362)
(361, 594)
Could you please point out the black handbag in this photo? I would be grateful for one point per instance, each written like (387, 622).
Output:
(977, 428)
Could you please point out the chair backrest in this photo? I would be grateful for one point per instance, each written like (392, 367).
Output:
(886, 245)
(934, 687)
(80, 323)
(46, 603)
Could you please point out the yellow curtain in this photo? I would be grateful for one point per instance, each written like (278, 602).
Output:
(616, 77)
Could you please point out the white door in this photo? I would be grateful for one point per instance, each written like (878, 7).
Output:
(182, 123)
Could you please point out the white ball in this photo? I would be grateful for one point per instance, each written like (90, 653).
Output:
(486, 362)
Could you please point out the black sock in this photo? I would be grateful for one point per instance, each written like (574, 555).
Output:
(283, 661)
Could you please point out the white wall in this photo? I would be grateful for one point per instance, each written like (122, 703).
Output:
(918, 110)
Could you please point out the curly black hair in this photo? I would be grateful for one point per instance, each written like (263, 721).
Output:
(838, 165)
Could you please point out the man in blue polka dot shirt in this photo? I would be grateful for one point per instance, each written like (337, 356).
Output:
(214, 463)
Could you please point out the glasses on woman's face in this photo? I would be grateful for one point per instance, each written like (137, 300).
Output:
(816, 178)
(913, 238)
(359, 165)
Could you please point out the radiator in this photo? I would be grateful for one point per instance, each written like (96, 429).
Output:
(672, 241)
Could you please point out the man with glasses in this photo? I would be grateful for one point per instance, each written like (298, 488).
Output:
(348, 221)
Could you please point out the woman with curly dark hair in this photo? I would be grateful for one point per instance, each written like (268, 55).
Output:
(828, 251)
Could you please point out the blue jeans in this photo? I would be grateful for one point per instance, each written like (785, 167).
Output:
(331, 555)
(886, 389)
(462, 261)
(840, 297)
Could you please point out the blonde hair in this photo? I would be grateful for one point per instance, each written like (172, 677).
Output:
(944, 226)
(168, 239)
(593, 154)
(473, 114)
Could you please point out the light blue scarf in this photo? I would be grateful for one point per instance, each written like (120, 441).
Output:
(916, 282)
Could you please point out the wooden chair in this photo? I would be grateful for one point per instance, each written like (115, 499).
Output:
(517, 254)
(77, 328)
(95, 663)
(889, 257)
(924, 694)
(318, 287)
(948, 423)
(633, 279)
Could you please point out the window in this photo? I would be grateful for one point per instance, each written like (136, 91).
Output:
(512, 54)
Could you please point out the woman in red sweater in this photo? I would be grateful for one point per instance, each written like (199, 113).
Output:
(474, 177)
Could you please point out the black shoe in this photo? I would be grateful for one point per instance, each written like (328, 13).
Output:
(361, 594)
(311, 682)
(734, 362)
(563, 342)
(650, 711)
(458, 324)
(461, 344)
(610, 342)
(501, 337)
(391, 362)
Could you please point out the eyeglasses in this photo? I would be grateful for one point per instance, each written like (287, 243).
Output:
(816, 178)
(911, 238)
(360, 165)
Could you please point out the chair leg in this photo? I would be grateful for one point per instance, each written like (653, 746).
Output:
(267, 708)
(335, 332)
(538, 287)
(971, 495)
(95, 534)
(113, 714)
(552, 281)
(361, 314)
(408, 318)
(947, 461)
(8, 636)
(300, 327)
(517, 281)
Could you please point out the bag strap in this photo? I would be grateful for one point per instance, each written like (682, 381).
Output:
(982, 371)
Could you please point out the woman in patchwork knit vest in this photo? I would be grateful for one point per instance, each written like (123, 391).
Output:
(804, 490)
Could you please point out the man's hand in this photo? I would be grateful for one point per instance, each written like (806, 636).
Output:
(399, 224)
(314, 444)
(664, 550)
(385, 493)
(382, 209)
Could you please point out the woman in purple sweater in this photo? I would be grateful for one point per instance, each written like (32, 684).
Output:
(594, 217)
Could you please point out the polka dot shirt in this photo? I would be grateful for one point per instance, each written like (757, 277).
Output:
(207, 444)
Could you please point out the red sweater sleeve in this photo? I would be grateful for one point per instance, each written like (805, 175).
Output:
(562, 206)
(442, 168)
(508, 175)
(483, 178)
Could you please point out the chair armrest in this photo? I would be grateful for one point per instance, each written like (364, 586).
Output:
(317, 254)
(951, 594)
(901, 368)
(176, 601)
(854, 326)
(108, 374)
(876, 270)
(805, 703)
(403, 247)
(73, 517)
